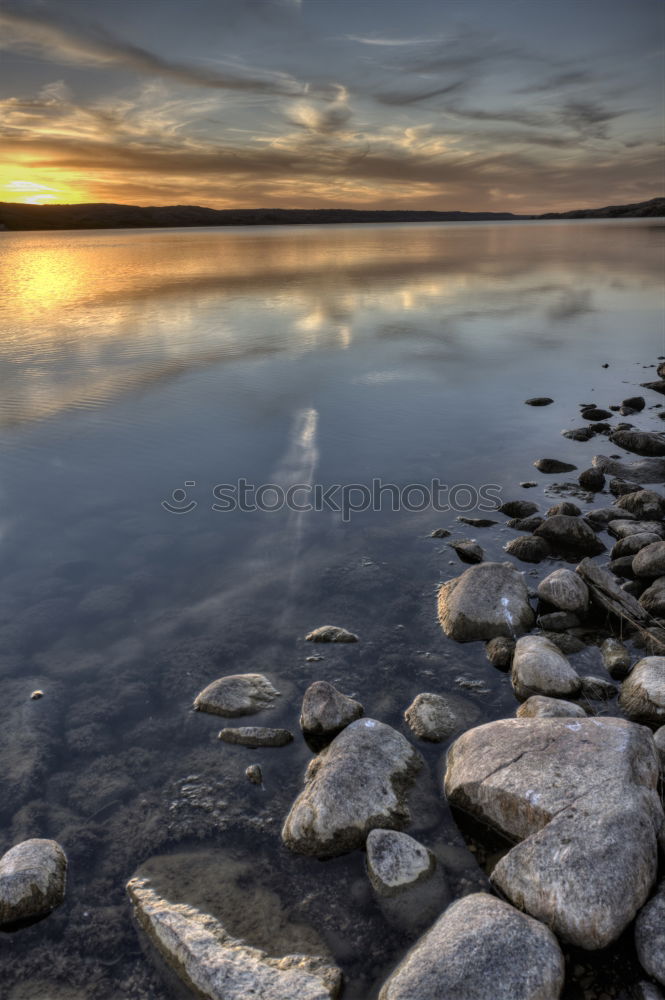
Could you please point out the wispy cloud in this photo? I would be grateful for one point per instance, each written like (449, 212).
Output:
(389, 42)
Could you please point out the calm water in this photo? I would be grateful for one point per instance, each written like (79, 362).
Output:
(133, 363)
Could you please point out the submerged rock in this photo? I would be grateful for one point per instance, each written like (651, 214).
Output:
(485, 601)
(642, 694)
(218, 966)
(540, 706)
(331, 633)
(539, 667)
(468, 550)
(616, 657)
(480, 949)
(326, 711)
(235, 695)
(650, 936)
(566, 591)
(570, 534)
(255, 736)
(528, 548)
(358, 783)
(581, 797)
(396, 861)
(431, 717)
(550, 466)
(32, 880)
(647, 470)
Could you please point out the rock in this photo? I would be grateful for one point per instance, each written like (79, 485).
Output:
(326, 711)
(32, 880)
(331, 633)
(650, 561)
(647, 470)
(528, 484)
(623, 528)
(218, 966)
(540, 706)
(646, 991)
(480, 949)
(518, 508)
(581, 796)
(440, 533)
(640, 442)
(539, 401)
(539, 667)
(430, 717)
(595, 413)
(597, 688)
(602, 516)
(550, 466)
(642, 694)
(358, 783)
(525, 523)
(254, 774)
(36, 695)
(528, 548)
(592, 480)
(570, 534)
(623, 567)
(396, 861)
(653, 598)
(468, 550)
(647, 505)
(558, 621)
(659, 740)
(632, 544)
(579, 433)
(616, 658)
(650, 936)
(565, 642)
(500, 651)
(255, 736)
(477, 522)
(660, 370)
(619, 487)
(566, 591)
(486, 601)
(656, 386)
(235, 695)
(565, 507)
(634, 404)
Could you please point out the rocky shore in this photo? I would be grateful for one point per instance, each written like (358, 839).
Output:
(559, 804)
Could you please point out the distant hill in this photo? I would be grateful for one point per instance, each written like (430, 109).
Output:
(101, 216)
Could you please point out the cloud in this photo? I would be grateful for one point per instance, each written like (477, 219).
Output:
(390, 42)
(404, 98)
(323, 120)
(588, 118)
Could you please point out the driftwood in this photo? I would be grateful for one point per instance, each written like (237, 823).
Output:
(606, 593)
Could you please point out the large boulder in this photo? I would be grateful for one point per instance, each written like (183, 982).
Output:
(358, 783)
(565, 590)
(643, 692)
(487, 600)
(480, 949)
(570, 534)
(581, 797)
(650, 561)
(32, 880)
(235, 695)
(539, 667)
(650, 936)
(218, 966)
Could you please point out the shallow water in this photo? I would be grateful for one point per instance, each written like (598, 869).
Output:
(133, 362)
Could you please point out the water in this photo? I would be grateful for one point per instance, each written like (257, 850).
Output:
(134, 362)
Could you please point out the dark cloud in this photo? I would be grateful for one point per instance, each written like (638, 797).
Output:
(403, 98)
(588, 118)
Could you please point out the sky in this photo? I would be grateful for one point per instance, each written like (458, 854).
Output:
(500, 105)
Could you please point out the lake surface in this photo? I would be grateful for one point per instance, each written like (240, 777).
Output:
(141, 371)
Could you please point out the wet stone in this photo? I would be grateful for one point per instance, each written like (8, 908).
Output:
(431, 717)
(616, 657)
(331, 633)
(500, 651)
(396, 861)
(540, 706)
(32, 880)
(528, 548)
(256, 736)
(326, 711)
(468, 550)
(236, 695)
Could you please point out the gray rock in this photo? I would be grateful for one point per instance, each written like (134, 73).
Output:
(647, 991)
(396, 861)
(570, 534)
(468, 550)
(640, 442)
(566, 591)
(540, 706)
(32, 880)
(518, 508)
(440, 533)
(656, 386)
(358, 783)
(559, 621)
(659, 740)
(631, 544)
(485, 601)
(331, 633)
(525, 523)
(480, 949)
(581, 797)
(595, 413)
(616, 657)
(566, 642)
(539, 401)
(592, 480)
(500, 651)
(550, 466)
(254, 774)
(619, 487)
(477, 522)
(642, 694)
(650, 561)
(597, 688)
(235, 695)
(623, 528)
(579, 433)
(646, 470)
(326, 711)
(218, 966)
(600, 517)
(650, 936)
(564, 507)
(431, 717)
(653, 598)
(539, 667)
(255, 736)
(634, 404)
(528, 548)
(645, 504)
(623, 567)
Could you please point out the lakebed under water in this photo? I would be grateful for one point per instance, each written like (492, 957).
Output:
(133, 363)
